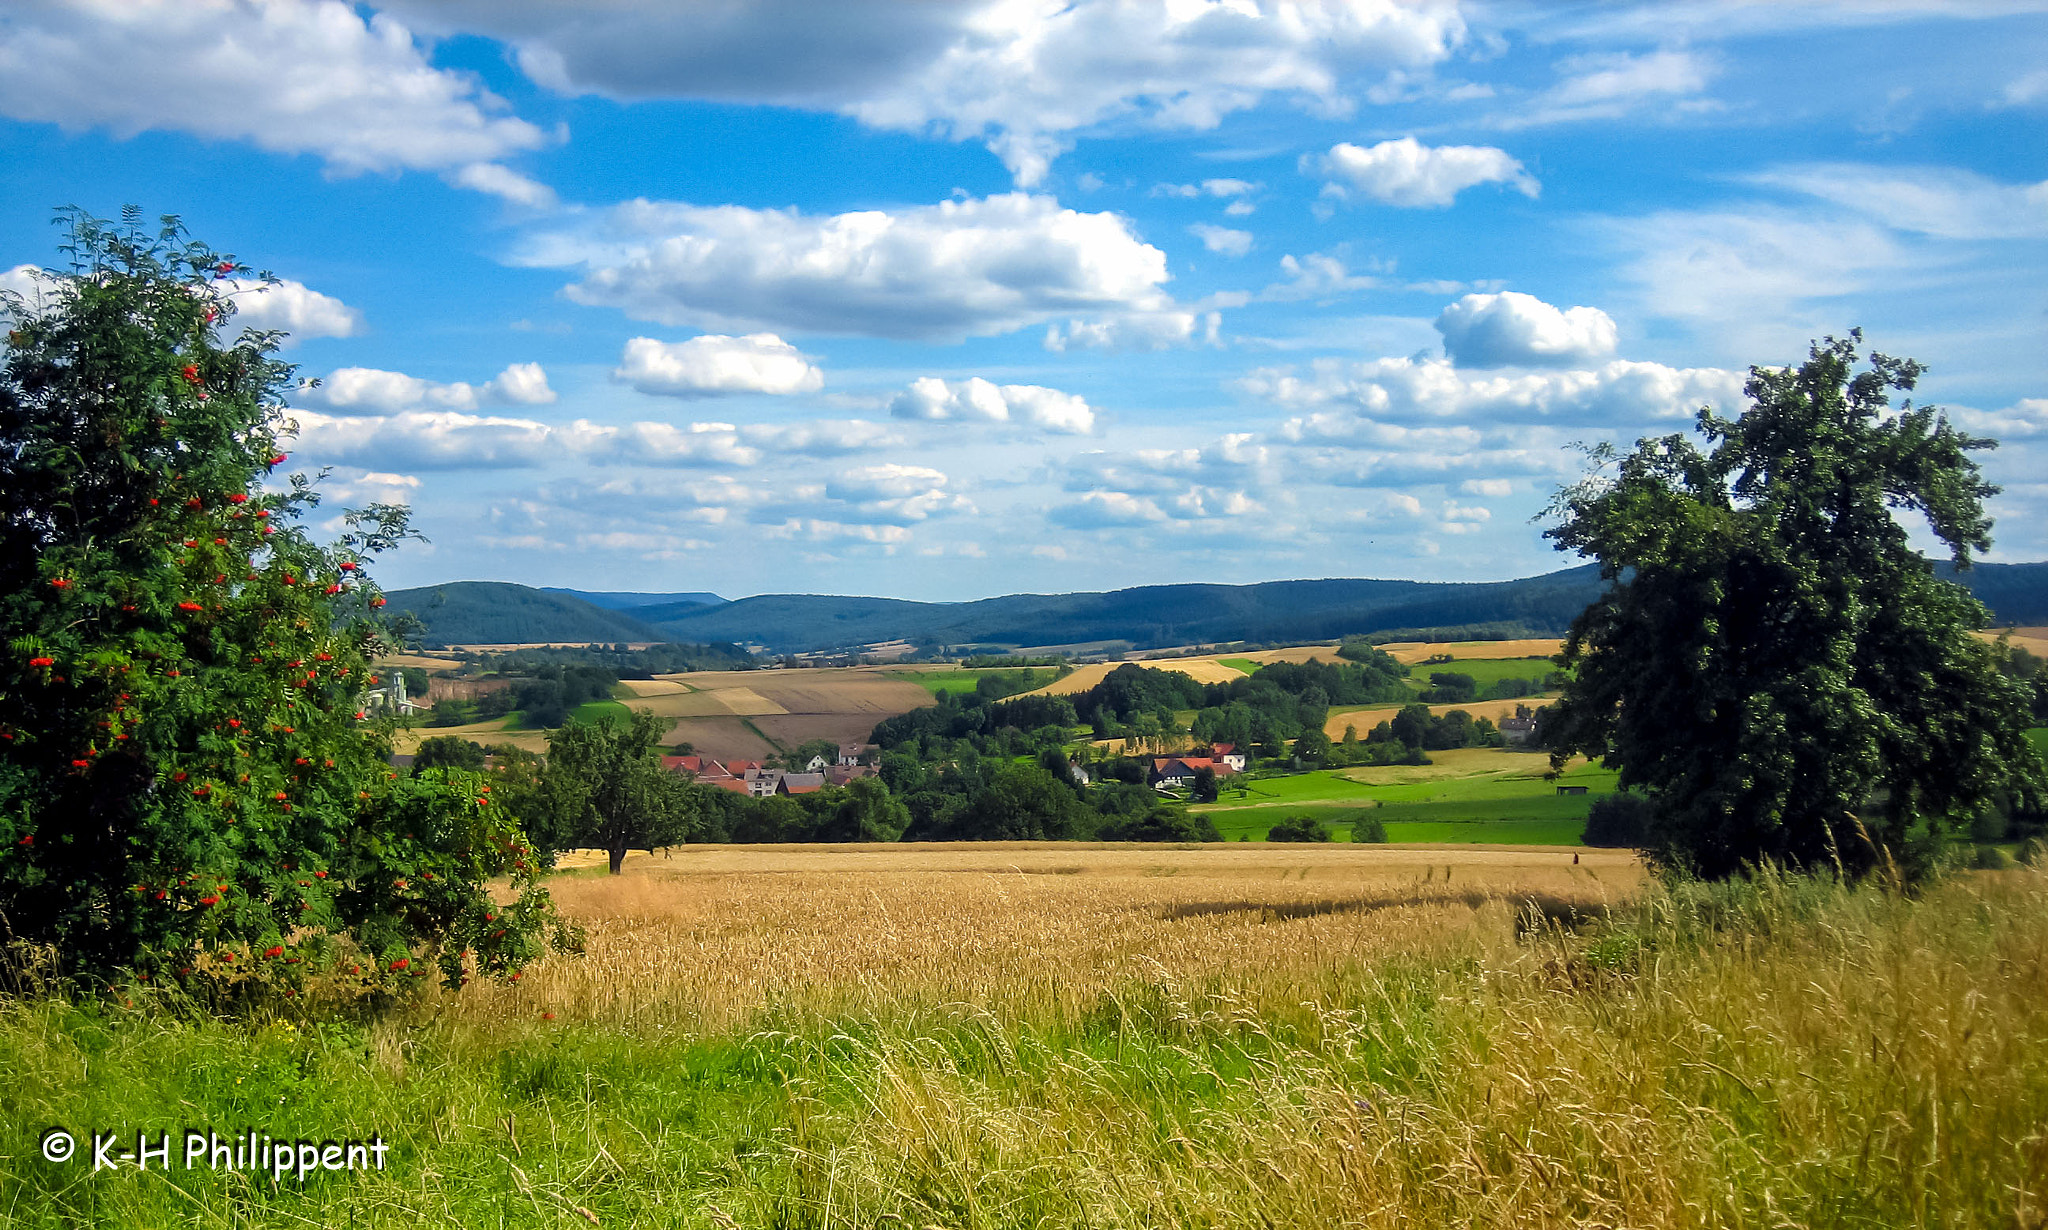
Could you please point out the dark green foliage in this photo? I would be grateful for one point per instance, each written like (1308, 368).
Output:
(1624, 819)
(452, 711)
(1370, 830)
(500, 613)
(1203, 788)
(603, 786)
(1450, 688)
(1300, 828)
(191, 781)
(1161, 823)
(417, 682)
(621, 662)
(448, 752)
(1771, 656)
(1018, 802)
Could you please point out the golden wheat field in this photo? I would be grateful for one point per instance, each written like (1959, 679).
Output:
(712, 935)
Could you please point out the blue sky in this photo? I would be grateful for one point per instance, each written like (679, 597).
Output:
(948, 300)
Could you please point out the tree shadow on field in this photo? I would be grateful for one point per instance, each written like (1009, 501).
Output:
(1532, 910)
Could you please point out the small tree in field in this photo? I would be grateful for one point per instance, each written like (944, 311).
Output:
(603, 786)
(192, 783)
(1772, 662)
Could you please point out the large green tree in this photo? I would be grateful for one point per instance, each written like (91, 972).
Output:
(1772, 660)
(603, 786)
(193, 783)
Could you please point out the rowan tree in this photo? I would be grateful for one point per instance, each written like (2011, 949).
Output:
(1772, 661)
(193, 783)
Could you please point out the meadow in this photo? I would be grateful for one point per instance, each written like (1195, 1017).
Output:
(1027, 1035)
(1465, 795)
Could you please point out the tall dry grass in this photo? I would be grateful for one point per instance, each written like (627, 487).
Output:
(1152, 1037)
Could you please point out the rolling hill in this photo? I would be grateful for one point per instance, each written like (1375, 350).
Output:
(501, 613)
(484, 612)
(617, 601)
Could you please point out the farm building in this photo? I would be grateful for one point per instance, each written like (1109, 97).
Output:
(1180, 770)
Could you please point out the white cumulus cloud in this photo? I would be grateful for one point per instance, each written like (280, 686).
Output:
(293, 307)
(1356, 401)
(715, 364)
(975, 399)
(1025, 77)
(1511, 329)
(945, 272)
(289, 76)
(372, 391)
(1412, 175)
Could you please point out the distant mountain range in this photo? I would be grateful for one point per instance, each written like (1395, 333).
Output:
(620, 602)
(496, 612)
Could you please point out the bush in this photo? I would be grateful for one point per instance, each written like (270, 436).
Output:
(1369, 831)
(1301, 828)
(192, 775)
(1160, 824)
(1990, 858)
(1620, 820)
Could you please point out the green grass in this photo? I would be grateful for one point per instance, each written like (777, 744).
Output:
(2039, 735)
(963, 680)
(1485, 671)
(1240, 664)
(1778, 1053)
(1510, 810)
(593, 711)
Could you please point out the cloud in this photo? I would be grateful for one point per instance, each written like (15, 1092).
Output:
(1944, 202)
(2025, 90)
(891, 494)
(427, 440)
(1134, 331)
(1753, 273)
(715, 364)
(288, 76)
(2025, 419)
(1023, 78)
(975, 399)
(371, 391)
(945, 272)
(28, 282)
(1222, 239)
(1209, 187)
(1412, 175)
(1234, 461)
(1606, 86)
(1099, 510)
(1358, 401)
(824, 438)
(661, 444)
(1497, 488)
(1511, 329)
(292, 307)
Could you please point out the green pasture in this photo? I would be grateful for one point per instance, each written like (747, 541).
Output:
(594, 711)
(1486, 671)
(959, 679)
(2039, 735)
(1514, 809)
(1239, 664)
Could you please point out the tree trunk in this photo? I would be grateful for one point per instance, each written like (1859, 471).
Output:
(618, 854)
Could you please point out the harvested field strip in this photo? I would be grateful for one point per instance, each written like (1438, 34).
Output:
(654, 687)
(1372, 715)
(1413, 652)
(1204, 670)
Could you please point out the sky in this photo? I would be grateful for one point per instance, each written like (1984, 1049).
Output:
(947, 300)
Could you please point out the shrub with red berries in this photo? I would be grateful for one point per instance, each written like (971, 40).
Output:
(191, 767)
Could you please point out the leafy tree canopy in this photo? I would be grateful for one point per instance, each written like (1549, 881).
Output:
(193, 779)
(1772, 661)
